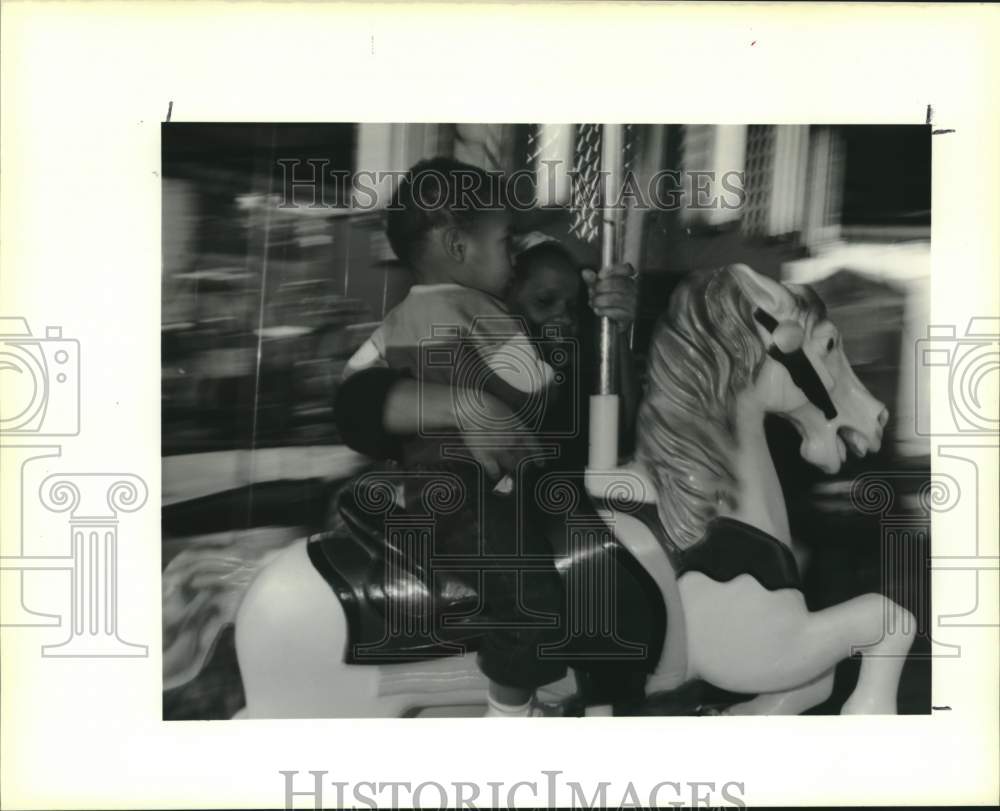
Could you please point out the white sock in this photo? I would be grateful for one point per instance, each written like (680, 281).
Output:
(495, 709)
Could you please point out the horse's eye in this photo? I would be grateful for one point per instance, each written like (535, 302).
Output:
(830, 345)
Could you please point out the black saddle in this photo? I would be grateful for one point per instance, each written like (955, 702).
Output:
(406, 601)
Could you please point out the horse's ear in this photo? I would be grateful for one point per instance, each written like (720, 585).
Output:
(772, 303)
(764, 292)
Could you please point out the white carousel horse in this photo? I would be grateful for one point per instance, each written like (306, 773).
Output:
(734, 346)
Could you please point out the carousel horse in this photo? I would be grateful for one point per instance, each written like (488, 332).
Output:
(691, 537)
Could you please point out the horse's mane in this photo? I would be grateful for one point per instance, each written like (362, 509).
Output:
(704, 351)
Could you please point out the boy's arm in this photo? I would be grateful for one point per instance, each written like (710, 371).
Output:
(517, 371)
(370, 355)
(494, 352)
(412, 407)
(359, 405)
(377, 407)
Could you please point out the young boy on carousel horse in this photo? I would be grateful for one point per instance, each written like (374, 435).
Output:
(508, 325)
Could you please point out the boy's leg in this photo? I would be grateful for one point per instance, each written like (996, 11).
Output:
(526, 604)
(523, 599)
(508, 702)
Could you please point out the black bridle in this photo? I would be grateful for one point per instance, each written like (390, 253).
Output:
(801, 369)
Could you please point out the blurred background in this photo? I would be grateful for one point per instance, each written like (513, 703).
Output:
(272, 277)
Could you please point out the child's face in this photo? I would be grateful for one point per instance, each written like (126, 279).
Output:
(548, 295)
(487, 264)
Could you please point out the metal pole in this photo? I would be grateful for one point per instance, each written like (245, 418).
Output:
(604, 405)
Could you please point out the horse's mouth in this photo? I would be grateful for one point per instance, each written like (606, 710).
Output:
(850, 439)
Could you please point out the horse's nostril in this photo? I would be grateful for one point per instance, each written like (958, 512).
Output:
(883, 417)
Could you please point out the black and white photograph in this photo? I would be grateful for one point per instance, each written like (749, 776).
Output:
(499, 405)
(535, 419)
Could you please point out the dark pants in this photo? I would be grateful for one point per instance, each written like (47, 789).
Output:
(507, 559)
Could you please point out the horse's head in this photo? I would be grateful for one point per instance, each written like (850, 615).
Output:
(733, 336)
(805, 376)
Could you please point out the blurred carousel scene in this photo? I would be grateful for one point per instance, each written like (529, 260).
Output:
(276, 269)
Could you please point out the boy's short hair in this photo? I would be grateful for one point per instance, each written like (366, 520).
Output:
(436, 193)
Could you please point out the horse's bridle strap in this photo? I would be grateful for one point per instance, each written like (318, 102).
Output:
(800, 368)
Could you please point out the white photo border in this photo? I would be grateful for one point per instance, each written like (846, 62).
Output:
(85, 87)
